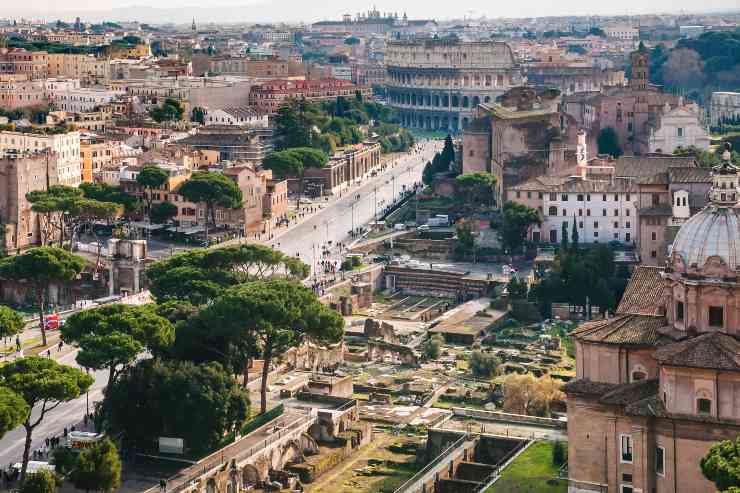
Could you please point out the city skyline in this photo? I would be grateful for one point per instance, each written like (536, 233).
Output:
(165, 11)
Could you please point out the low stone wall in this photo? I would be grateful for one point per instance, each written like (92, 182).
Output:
(456, 486)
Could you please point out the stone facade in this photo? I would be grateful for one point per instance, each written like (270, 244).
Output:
(656, 385)
(437, 84)
(20, 174)
(724, 106)
(65, 145)
(678, 128)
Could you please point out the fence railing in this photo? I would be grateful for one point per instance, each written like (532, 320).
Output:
(188, 477)
(431, 467)
(512, 418)
(490, 479)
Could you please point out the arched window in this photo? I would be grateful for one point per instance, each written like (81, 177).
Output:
(703, 402)
(552, 211)
(638, 373)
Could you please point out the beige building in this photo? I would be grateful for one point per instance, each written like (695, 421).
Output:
(656, 384)
(19, 174)
(87, 68)
(437, 84)
(65, 145)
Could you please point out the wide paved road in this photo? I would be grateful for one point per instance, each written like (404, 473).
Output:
(66, 415)
(334, 222)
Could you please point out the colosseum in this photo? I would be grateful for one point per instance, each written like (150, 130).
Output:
(436, 84)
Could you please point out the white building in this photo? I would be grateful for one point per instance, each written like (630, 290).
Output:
(343, 72)
(241, 116)
(623, 32)
(82, 100)
(724, 106)
(65, 145)
(676, 128)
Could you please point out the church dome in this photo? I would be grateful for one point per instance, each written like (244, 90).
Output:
(715, 231)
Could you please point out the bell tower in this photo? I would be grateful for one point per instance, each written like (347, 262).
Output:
(640, 61)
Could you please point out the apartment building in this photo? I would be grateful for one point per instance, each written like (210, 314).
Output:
(269, 96)
(15, 93)
(64, 144)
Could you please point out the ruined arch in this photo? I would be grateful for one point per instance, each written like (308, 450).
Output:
(250, 475)
(292, 453)
(308, 445)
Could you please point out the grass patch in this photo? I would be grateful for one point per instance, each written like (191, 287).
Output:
(531, 472)
(10, 348)
(361, 396)
(397, 473)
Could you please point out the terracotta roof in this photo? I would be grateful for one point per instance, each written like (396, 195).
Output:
(640, 166)
(658, 210)
(650, 406)
(624, 329)
(628, 393)
(584, 386)
(643, 292)
(714, 350)
(689, 175)
(618, 394)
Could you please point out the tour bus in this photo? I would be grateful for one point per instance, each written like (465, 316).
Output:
(79, 440)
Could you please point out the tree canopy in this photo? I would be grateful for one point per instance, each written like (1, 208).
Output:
(279, 314)
(162, 212)
(13, 410)
(169, 110)
(149, 178)
(200, 275)
(111, 336)
(517, 219)
(11, 322)
(476, 188)
(41, 267)
(608, 142)
(721, 465)
(42, 481)
(212, 189)
(97, 468)
(44, 382)
(147, 401)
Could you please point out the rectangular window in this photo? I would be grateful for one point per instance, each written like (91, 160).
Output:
(627, 212)
(588, 212)
(653, 254)
(565, 213)
(628, 197)
(627, 489)
(704, 406)
(679, 310)
(654, 236)
(716, 316)
(529, 195)
(580, 224)
(626, 447)
(679, 131)
(540, 195)
(580, 212)
(588, 197)
(627, 237)
(627, 225)
(580, 197)
(616, 212)
(564, 197)
(596, 224)
(553, 197)
(603, 212)
(616, 225)
(518, 194)
(616, 197)
(596, 234)
(660, 461)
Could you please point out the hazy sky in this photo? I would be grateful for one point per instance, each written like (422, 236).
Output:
(291, 10)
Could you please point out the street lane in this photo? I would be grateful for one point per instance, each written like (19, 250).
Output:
(335, 221)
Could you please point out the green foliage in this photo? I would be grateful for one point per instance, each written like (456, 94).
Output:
(278, 314)
(198, 115)
(200, 275)
(97, 468)
(45, 382)
(64, 460)
(262, 419)
(113, 335)
(13, 410)
(483, 364)
(475, 188)
(103, 192)
(162, 212)
(427, 176)
(11, 322)
(721, 465)
(152, 176)
(41, 267)
(147, 401)
(576, 277)
(517, 219)
(40, 482)
(169, 110)
(559, 453)
(293, 162)
(517, 289)
(608, 142)
(465, 240)
(213, 190)
(433, 346)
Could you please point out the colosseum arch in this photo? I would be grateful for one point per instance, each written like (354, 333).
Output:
(250, 476)
(308, 445)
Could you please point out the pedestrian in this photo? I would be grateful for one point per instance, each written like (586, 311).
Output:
(48, 353)
(66, 432)
(61, 344)
(17, 343)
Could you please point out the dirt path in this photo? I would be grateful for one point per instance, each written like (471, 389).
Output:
(332, 481)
